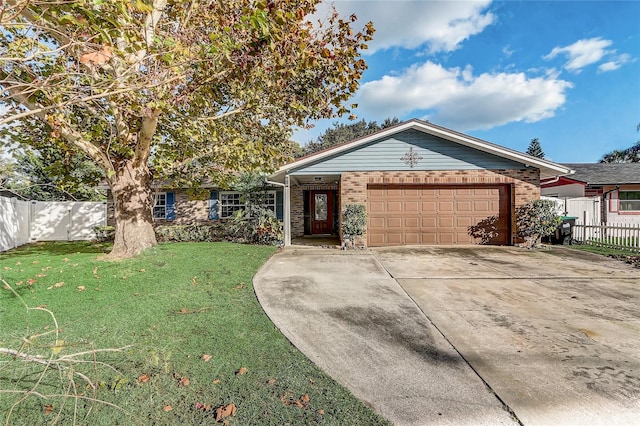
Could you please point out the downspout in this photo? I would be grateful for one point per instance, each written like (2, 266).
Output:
(286, 208)
(605, 205)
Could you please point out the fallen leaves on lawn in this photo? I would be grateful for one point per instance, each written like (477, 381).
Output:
(58, 347)
(66, 259)
(48, 409)
(242, 371)
(271, 381)
(167, 408)
(6, 287)
(81, 288)
(184, 311)
(240, 286)
(216, 381)
(194, 280)
(144, 378)
(41, 275)
(321, 412)
(302, 402)
(31, 281)
(225, 411)
(56, 285)
(202, 407)
(205, 357)
(182, 381)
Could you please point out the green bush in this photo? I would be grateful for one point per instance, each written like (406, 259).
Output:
(256, 225)
(104, 233)
(535, 220)
(194, 233)
(354, 222)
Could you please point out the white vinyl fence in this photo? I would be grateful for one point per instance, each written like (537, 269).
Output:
(14, 223)
(30, 221)
(578, 207)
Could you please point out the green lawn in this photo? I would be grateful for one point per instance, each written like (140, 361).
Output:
(198, 340)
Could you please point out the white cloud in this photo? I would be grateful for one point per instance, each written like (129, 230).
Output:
(458, 99)
(582, 53)
(615, 63)
(441, 26)
(507, 51)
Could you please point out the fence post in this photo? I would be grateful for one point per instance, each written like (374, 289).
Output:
(584, 226)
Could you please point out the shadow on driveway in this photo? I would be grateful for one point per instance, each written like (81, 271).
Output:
(555, 333)
(344, 312)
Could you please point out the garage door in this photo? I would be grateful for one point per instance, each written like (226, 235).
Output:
(446, 214)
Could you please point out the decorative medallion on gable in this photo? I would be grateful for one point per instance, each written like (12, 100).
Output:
(411, 158)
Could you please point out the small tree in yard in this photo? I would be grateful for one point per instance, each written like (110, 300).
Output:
(354, 222)
(256, 223)
(535, 220)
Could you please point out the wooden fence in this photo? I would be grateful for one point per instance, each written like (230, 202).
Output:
(622, 236)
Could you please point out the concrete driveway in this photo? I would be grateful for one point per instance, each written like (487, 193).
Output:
(345, 313)
(471, 335)
(556, 334)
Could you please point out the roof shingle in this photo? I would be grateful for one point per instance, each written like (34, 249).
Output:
(605, 173)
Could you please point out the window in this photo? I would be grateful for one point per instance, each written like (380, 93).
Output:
(629, 200)
(160, 205)
(164, 205)
(230, 202)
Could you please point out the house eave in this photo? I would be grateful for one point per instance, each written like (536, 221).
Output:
(547, 169)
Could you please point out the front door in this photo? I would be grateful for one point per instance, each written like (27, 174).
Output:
(321, 204)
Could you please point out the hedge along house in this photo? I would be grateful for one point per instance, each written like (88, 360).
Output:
(420, 183)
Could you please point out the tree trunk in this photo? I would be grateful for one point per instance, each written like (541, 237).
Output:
(133, 202)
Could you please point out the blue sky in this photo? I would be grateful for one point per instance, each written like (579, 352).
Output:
(566, 72)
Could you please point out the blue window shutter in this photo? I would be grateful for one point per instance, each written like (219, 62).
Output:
(279, 202)
(171, 206)
(213, 205)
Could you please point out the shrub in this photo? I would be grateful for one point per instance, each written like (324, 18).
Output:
(354, 221)
(104, 233)
(535, 220)
(257, 225)
(194, 233)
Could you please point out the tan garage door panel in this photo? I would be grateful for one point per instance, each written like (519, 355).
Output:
(404, 215)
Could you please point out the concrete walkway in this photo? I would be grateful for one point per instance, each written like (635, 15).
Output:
(350, 317)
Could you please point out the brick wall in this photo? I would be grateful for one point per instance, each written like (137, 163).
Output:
(188, 210)
(525, 185)
(297, 204)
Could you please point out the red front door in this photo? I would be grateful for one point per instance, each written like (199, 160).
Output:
(321, 204)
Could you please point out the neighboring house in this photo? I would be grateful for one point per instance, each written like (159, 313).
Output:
(420, 183)
(615, 186)
(206, 205)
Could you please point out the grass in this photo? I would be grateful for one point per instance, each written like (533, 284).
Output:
(177, 305)
(603, 250)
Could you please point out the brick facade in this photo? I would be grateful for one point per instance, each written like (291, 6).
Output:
(297, 204)
(188, 210)
(525, 185)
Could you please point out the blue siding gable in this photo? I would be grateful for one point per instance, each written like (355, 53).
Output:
(387, 155)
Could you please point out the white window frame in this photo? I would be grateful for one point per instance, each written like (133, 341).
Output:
(227, 210)
(634, 203)
(159, 207)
